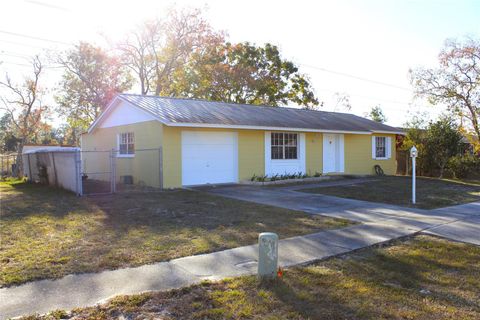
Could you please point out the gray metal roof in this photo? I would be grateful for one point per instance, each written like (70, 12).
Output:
(178, 111)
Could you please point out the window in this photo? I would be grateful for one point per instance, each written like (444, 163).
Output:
(126, 144)
(380, 147)
(284, 146)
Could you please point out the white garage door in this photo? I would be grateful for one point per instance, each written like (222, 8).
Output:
(209, 157)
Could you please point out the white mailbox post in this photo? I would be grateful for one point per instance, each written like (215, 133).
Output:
(413, 155)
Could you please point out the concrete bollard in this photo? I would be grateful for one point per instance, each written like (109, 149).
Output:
(267, 255)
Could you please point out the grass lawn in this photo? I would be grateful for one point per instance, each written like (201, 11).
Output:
(431, 193)
(48, 233)
(420, 278)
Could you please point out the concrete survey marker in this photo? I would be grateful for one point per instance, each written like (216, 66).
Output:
(267, 255)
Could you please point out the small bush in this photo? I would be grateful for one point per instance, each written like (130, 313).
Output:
(462, 166)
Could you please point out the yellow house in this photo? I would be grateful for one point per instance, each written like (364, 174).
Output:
(171, 142)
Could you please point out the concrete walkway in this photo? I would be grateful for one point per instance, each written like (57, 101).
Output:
(381, 223)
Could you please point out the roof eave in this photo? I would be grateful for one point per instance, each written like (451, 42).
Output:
(249, 127)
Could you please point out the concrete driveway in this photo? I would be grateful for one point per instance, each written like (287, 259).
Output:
(290, 197)
(460, 223)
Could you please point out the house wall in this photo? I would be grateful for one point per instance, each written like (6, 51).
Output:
(250, 153)
(144, 166)
(358, 155)
(314, 152)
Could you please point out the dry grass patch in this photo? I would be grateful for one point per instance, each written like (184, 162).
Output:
(431, 193)
(421, 278)
(48, 233)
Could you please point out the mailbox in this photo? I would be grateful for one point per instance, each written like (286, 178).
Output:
(413, 152)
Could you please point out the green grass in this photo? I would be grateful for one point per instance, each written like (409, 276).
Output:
(49, 233)
(431, 193)
(420, 278)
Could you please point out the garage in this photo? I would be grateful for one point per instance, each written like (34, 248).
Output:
(209, 157)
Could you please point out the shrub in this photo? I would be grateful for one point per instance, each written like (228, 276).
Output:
(462, 166)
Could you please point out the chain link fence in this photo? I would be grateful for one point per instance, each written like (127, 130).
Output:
(109, 171)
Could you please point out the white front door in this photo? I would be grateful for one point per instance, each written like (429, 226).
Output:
(209, 157)
(333, 153)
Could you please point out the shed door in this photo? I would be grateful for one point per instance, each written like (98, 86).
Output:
(209, 157)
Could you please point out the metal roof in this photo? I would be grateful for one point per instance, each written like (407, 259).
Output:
(177, 111)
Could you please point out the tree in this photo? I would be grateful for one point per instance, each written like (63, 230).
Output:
(377, 115)
(436, 142)
(90, 80)
(156, 49)
(8, 140)
(23, 103)
(442, 141)
(455, 83)
(243, 73)
(342, 102)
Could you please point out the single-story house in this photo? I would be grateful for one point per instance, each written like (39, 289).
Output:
(202, 142)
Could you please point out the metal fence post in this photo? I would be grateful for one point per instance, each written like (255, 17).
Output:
(78, 173)
(54, 168)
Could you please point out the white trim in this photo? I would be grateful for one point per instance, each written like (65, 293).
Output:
(341, 146)
(126, 155)
(282, 129)
(388, 147)
(115, 100)
(124, 114)
(389, 132)
(105, 111)
(268, 152)
(339, 153)
(271, 164)
(113, 104)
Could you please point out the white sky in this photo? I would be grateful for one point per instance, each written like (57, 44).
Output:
(372, 39)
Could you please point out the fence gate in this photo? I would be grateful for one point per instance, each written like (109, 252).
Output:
(98, 172)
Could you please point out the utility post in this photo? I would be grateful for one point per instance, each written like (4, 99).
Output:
(413, 155)
(267, 255)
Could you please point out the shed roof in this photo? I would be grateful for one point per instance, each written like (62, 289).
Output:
(177, 111)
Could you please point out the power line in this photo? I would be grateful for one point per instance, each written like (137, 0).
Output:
(366, 97)
(22, 44)
(27, 65)
(357, 77)
(33, 37)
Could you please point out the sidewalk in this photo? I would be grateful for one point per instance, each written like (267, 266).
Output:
(88, 289)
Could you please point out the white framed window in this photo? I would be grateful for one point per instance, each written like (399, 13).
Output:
(381, 148)
(284, 146)
(126, 144)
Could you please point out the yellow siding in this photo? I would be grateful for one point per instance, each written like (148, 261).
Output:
(251, 153)
(314, 152)
(172, 157)
(144, 166)
(251, 156)
(358, 155)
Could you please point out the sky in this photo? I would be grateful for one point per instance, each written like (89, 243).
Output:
(362, 48)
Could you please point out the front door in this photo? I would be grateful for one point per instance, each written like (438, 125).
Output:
(333, 153)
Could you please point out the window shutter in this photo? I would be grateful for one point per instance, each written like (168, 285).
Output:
(389, 147)
(373, 148)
